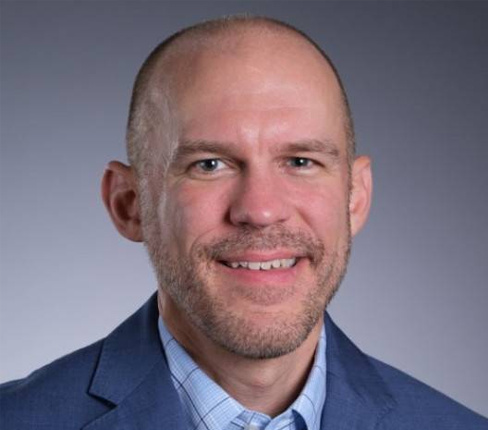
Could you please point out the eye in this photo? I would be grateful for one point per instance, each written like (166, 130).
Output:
(209, 165)
(300, 162)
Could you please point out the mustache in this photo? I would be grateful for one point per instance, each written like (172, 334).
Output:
(251, 239)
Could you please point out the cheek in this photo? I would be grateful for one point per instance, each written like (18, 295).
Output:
(192, 214)
(324, 210)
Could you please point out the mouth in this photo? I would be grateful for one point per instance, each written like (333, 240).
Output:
(257, 271)
(264, 265)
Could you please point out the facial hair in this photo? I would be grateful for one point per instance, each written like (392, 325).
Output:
(187, 281)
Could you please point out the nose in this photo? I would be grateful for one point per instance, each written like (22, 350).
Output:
(259, 201)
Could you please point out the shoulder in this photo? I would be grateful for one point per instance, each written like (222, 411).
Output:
(54, 396)
(380, 393)
(419, 406)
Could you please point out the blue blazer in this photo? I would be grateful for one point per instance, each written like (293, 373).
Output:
(122, 383)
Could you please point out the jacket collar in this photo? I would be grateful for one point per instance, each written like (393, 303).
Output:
(357, 396)
(133, 377)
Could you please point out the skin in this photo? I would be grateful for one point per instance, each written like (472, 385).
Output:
(255, 108)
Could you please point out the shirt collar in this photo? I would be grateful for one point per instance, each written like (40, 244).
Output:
(207, 406)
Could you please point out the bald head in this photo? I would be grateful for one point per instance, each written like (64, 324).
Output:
(230, 51)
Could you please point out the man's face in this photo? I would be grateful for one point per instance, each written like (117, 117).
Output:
(248, 228)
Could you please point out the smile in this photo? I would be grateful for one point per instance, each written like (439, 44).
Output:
(279, 263)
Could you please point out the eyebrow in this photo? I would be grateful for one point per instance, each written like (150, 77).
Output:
(188, 148)
(327, 147)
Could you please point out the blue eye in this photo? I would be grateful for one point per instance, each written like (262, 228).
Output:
(300, 162)
(210, 164)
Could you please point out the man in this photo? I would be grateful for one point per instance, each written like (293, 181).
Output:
(244, 186)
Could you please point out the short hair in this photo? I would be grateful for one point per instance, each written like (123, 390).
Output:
(143, 106)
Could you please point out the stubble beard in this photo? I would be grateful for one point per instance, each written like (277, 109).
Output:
(184, 280)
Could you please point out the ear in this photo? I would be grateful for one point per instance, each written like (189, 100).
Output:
(361, 193)
(119, 194)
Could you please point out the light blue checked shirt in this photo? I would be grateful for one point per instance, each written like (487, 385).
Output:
(208, 407)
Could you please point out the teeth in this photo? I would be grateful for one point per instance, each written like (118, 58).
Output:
(286, 262)
(264, 265)
(253, 265)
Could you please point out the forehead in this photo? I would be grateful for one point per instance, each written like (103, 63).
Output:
(264, 80)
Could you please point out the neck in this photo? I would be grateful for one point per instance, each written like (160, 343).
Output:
(268, 386)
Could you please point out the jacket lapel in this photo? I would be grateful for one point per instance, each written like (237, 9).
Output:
(132, 376)
(357, 396)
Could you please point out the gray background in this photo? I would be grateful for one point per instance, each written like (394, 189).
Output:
(415, 295)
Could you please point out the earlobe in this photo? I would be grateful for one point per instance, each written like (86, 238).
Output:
(119, 194)
(361, 193)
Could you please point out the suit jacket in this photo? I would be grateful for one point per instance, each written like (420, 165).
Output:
(122, 383)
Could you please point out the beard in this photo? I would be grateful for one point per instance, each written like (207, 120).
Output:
(187, 281)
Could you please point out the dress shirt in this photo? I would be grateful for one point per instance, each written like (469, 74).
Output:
(207, 406)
